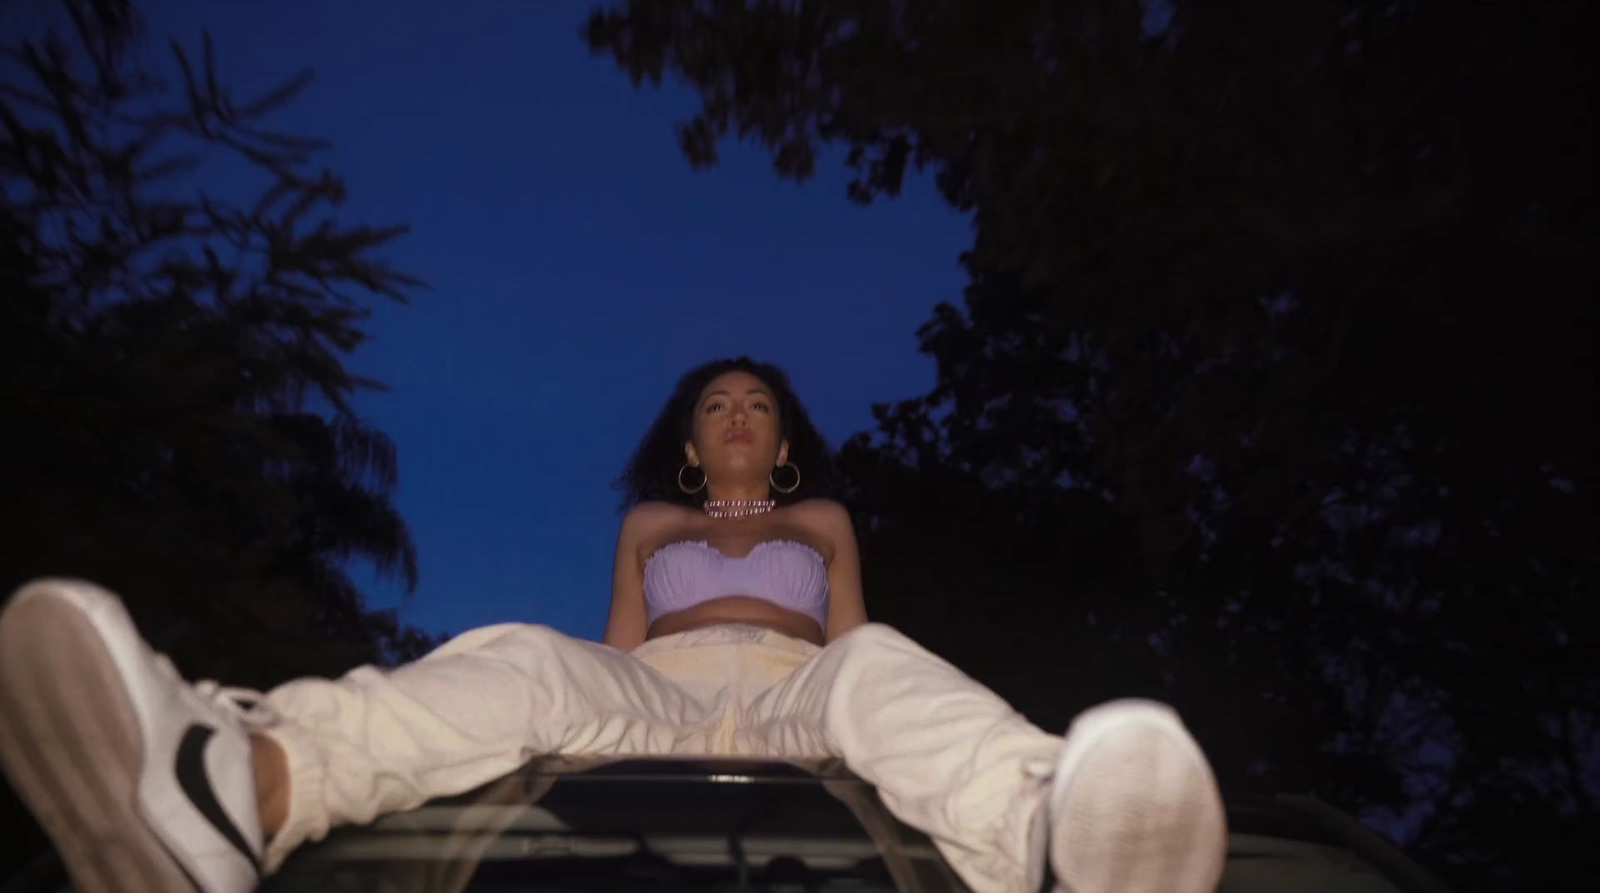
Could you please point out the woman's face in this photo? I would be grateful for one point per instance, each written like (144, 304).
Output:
(736, 428)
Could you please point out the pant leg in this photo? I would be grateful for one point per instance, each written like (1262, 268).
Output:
(948, 756)
(377, 741)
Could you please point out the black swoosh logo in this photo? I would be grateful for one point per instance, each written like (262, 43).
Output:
(191, 772)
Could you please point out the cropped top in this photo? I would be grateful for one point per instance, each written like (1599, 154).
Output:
(689, 572)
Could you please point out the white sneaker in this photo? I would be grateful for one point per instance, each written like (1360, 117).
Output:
(144, 782)
(1134, 807)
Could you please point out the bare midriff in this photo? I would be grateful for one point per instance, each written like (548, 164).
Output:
(738, 609)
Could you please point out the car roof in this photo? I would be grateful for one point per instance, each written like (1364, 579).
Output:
(638, 824)
(705, 790)
(1298, 818)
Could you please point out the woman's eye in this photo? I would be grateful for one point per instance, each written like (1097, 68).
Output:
(760, 404)
(713, 407)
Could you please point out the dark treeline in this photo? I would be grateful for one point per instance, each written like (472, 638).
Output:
(1272, 389)
(174, 409)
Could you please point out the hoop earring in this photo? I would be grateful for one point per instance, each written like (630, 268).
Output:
(792, 487)
(685, 487)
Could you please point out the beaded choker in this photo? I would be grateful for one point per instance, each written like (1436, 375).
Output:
(738, 508)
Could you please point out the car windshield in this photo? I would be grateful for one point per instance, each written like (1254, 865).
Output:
(665, 825)
(632, 827)
(1275, 847)
(563, 825)
(1259, 864)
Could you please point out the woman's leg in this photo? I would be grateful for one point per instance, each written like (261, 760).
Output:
(147, 782)
(953, 759)
(378, 741)
(947, 755)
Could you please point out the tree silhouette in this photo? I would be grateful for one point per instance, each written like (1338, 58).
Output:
(175, 364)
(175, 403)
(1271, 391)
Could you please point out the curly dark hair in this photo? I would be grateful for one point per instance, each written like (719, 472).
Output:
(652, 474)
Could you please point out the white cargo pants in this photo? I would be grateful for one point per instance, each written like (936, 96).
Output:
(948, 756)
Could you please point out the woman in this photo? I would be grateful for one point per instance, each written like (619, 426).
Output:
(736, 627)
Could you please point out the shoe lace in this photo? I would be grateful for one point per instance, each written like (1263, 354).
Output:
(244, 704)
(232, 698)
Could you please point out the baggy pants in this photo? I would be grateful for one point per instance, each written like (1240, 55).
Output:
(948, 756)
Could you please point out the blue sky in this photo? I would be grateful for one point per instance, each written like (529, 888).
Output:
(577, 266)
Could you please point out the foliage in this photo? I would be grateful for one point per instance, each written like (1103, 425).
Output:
(1272, 388)
(176, 400)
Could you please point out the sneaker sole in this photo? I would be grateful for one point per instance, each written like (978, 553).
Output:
(1140, 811)
(71, 747)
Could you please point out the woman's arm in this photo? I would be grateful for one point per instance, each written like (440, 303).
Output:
(626, 625)
(846, 607)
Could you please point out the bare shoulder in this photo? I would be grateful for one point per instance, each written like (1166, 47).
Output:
(826, 516)
(646, 520)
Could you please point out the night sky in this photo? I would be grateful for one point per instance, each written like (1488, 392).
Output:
(576, 265)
